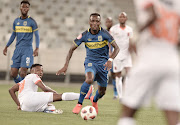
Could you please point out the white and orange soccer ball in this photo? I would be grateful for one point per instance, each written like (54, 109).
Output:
(88, 113)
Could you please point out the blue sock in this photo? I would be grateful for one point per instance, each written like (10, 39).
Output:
(84, 90)
(97, 96)
(17, 79)
(114, 84)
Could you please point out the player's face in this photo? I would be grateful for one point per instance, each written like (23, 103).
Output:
(24, 9)
(95, 22)
(108, 23)
(122, 19)
(38, 70)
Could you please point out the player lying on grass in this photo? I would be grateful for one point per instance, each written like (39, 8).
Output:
(30, 100)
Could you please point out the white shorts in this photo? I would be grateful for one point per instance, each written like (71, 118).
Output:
(156, 74)
(119, 65)
(36, 101)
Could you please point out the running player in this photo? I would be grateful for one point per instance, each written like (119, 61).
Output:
(23, 28)
(109, 24)
(156, 73)
(97, 62)
(122, 33)
(31, 100)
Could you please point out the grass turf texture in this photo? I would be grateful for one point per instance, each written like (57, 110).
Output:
(109, 111)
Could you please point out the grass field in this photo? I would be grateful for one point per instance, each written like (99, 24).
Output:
(109, 111)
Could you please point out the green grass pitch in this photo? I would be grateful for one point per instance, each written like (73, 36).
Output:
(109, 111)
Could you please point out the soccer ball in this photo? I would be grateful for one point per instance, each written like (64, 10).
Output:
(88, 113)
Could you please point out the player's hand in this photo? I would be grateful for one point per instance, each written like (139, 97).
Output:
(108, 65)
(63, 70)
(35, 53)
(5, 51)
(18, 108)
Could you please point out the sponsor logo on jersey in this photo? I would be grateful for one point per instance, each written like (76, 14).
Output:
(96, 45)
(23, 29)
(89, 39)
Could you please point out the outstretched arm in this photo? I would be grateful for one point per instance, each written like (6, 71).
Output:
(12, 92)
(68, 57)
(44, 88)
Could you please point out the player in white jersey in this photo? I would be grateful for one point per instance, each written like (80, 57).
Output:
(156, 73)
(31, 100)
(122, 34)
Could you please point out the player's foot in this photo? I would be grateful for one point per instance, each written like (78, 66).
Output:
(89, 94)
(77, 109)
(57, 111)
(115, 97)
(94, 104)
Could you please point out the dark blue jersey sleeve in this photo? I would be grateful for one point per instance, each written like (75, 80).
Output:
(80, 39)
(108, 36)
(34, 25)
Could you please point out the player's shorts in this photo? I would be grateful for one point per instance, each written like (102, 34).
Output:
(119, 65)
(36, 101)
(156, 74)
(22, 57)
(100, 75)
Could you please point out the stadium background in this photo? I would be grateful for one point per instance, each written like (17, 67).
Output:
(59, 22)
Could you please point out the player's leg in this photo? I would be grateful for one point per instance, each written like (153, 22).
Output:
(172, 117)
(83, 91)
(114, 85)
(68, 96)
(23, 72)
(14, 73)
(127, 116)
(119, 84)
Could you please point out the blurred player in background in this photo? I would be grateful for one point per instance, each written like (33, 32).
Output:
(97, 62)
(109, 24)
(23, 28)
(122, 34)
(156, 73)
(31, 100)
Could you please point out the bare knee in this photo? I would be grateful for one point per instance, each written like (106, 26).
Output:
(89, 80)
(14, 74)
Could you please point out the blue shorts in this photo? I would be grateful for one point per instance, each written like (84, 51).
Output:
(22, 57)
(100, 75)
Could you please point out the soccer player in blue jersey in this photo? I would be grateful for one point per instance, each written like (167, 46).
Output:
(97, 62)
(23, 29)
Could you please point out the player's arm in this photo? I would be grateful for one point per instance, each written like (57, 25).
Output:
(35, 53)
(13, 35)
(108, 64)
(132, 46)
(12, 92)
(152, 17)
(68, 57)
(44, 88)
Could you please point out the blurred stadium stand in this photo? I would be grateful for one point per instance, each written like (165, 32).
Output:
(60, 22)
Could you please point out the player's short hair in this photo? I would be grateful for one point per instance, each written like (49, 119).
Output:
(34, 65)
(95, 14)
(26, 2)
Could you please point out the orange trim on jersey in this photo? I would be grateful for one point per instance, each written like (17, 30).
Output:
(37, 81)
(21, 86)
(123, 28)
(148, 5)
(166, 26)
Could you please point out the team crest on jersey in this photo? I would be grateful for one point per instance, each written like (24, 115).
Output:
(89, 64)
(25, 23)
(99, 38)
(18, 23)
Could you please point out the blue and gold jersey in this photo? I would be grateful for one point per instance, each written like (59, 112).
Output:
(97, 49)
(24, 29)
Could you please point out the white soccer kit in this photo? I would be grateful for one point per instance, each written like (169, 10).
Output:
(156, 72)
(122, 36)
(30, 99)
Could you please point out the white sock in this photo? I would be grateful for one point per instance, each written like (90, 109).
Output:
(69, 96)
(126, 121)
(119, 86)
